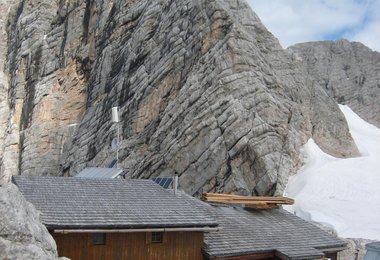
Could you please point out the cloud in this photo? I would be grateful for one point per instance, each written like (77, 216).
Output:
(294, 21)
(369, 34)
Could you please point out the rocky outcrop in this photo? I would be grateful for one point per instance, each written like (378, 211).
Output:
(348, 71)
(204, 90)
(356, 249)
(22, 236)
(5, 6)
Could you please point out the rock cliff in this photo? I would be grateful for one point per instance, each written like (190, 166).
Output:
(5, 6)
(348, 72)
(22, 236)
(204, 90)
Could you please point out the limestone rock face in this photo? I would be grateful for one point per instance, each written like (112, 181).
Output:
(5, 7)
(22, 236)
(348, 71)
(47, 91)
(204, 90)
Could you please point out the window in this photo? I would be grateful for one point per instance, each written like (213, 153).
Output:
(157, 237)
(99, 239)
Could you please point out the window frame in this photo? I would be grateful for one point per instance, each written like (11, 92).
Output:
(99, 239)
(157, 237)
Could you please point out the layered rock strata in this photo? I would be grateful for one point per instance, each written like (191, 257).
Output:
(5, 7)
(47, 94)
(348, 71)
(204, 91)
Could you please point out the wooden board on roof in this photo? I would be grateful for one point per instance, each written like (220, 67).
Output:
(259, 202)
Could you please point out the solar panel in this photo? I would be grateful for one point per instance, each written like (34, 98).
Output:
(95, 172)
(112, 164)
(165, 182)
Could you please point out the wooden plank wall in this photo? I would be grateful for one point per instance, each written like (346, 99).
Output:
(134, 246)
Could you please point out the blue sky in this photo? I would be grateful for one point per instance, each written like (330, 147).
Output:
(294, 21)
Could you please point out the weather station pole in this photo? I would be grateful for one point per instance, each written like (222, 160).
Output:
(115, 119)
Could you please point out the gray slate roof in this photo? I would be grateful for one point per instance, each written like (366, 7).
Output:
(94, 172)
(70, 203)
(252, 231)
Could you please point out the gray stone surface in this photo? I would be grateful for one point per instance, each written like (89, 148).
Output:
(5, 6)
(22, 236)
(204, 90)
(46, 92)
(347, 71)
(356, 249)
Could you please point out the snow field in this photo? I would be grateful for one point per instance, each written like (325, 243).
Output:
(341, 193)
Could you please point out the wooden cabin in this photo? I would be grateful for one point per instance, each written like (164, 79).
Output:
(93, 218)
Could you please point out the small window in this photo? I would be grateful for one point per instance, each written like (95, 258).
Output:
(157, 237)
(99, 239)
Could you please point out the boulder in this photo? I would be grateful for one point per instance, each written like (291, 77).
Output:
(22, 236)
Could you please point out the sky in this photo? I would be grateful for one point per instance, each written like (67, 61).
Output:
(295, 21)
(341, 193)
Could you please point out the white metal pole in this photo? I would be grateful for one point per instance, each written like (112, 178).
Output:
(117, 146)
(116, 120)
(175, 183)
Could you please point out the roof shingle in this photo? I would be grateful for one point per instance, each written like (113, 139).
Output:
(245, 232)
(111, 203)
